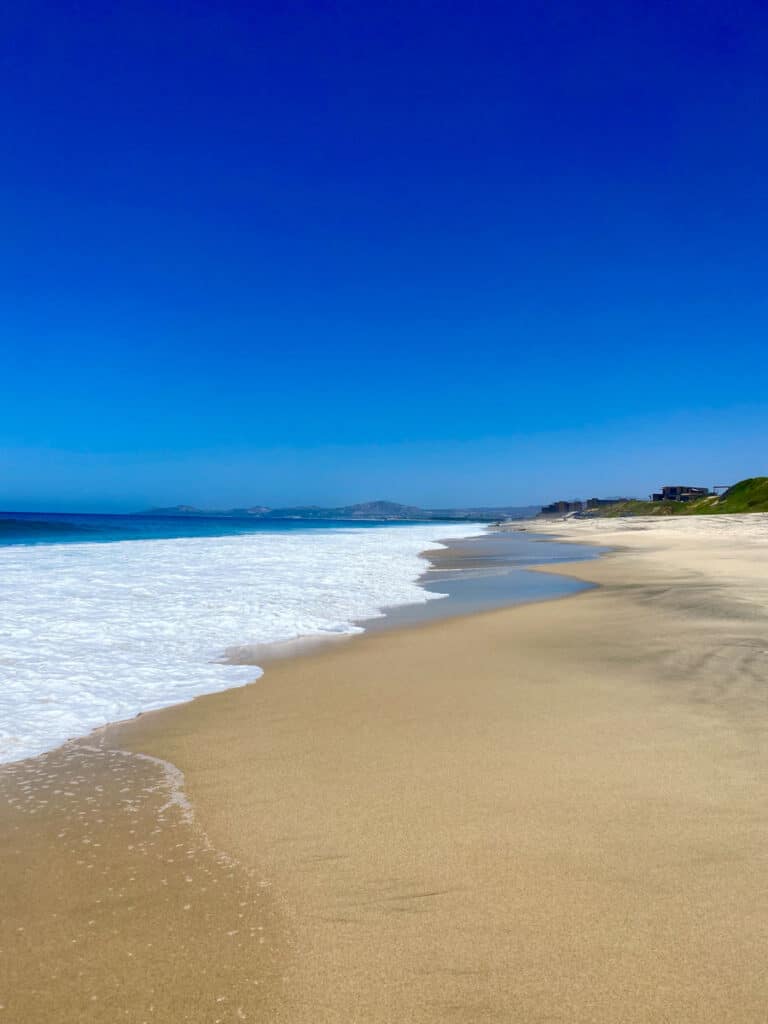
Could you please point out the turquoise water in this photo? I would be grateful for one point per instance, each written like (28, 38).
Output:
(79, 528)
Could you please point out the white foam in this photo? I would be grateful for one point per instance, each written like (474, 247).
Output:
(95, 633)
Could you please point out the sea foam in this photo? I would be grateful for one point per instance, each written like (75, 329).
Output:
(94, 633)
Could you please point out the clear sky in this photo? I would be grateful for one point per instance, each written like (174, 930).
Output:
(443, 253)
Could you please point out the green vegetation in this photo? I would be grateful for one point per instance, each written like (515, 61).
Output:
(746, 496)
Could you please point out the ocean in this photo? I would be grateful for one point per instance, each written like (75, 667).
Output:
(79, 527)
(106, 616)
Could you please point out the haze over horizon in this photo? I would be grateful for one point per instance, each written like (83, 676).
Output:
(440, 255)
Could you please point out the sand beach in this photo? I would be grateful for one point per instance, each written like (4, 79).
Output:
(550, 812)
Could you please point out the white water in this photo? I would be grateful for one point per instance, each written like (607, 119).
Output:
(94, 633)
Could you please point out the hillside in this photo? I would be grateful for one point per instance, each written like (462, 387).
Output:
(749, 495)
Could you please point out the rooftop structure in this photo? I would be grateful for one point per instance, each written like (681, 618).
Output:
(680, 492)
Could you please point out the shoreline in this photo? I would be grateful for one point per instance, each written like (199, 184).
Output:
(153, 616)
(550, 811)
(446, 570)
(390, 617)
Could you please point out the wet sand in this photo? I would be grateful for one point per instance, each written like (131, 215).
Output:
(552, 812)
(115, 907)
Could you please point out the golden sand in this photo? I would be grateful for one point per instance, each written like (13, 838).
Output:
(553, 812)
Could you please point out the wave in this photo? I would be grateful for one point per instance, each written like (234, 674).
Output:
(94, 633)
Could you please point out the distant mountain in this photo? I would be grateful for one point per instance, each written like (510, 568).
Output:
(383, 510)
(174, 510)
(380, 511)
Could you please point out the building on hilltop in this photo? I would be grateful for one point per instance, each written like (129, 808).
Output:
(561, 507)
(680, 493)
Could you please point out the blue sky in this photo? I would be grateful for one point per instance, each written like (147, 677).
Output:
(446, 253)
